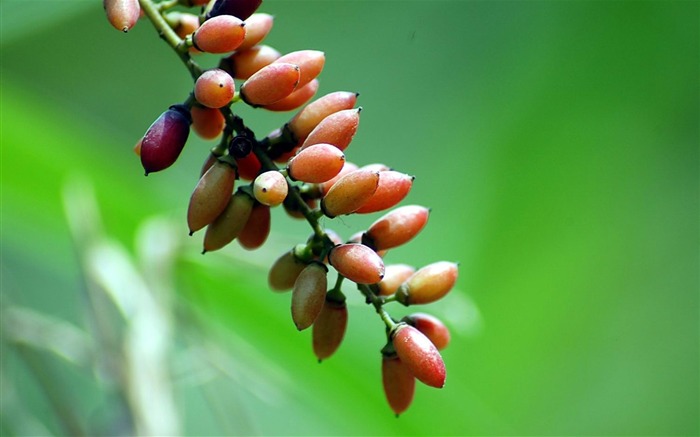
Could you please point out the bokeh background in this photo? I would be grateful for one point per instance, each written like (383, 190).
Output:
(556, 143)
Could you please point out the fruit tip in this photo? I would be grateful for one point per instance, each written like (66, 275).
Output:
(191, 233)
(204, 251)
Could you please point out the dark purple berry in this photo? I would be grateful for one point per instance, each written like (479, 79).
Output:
(238, 8)
(165, 139)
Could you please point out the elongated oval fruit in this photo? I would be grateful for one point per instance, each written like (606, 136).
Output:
(214, 88)
(208, 123)
(310, 64)
(431, 327)
(311, 115)
(338, 129)
(394, 276)
(348, 167)
(398, 382)
(257, 26)
(349, 193)
(270, 188)
(284, 272)
(211, 195)
(244, 63)
(165, 138)
(419, 354)
(329, 328)
(122, 14)
(393, 187)
(396, 227)
(238, 8)
(226, 227)
(220, 34)
(257, 228)
(270, 84)
(308, 294)
(428, 284)
(316, 164)
(357, 262)
(297, 98)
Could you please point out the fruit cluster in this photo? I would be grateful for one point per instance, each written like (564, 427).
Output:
(302, 167)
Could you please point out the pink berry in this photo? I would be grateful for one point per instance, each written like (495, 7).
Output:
(310, 116)
(329, 328)
(316, 164)
(221, 34)
(310, 63)
(349, 193)
(270, 84)
(257, 228)
(431, 327)
(398, 382)
(428, 284)
(270, 188)
(357, 262)
(392, 189)
(337, 129)
(396, 227)
(419, 354)
(308, 294)
(211, 195)
(122, 14)
(214, 88)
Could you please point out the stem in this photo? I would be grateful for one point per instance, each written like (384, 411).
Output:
(378, 303)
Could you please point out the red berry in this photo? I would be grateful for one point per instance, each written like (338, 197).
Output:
(308, 294)
(396, 227)
(248, 166)
(357, 262)
(329, 328)
(428, 284)
(165, 139)
(226, 227)
(432, 327)
(317, 163)
(398, 382)
(221, 34)
(122, 14)
(256, 229)
(211, 195)
(270, 84)
(419, 354)
(349, 193)
(214, 88)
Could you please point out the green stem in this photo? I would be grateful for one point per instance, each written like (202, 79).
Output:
(378, 304)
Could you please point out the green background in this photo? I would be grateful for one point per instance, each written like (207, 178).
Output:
(556, 143)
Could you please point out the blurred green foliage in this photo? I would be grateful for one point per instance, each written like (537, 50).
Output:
(556, 142)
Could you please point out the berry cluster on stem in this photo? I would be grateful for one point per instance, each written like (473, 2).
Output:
(302, 167)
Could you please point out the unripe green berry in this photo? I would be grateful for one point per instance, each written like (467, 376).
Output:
(214, 88)
(221, 34)
(428, 284)
(308, 294)
(419, 354)
(270, 188)
(396, 227)
(357, 262)
(316, 164)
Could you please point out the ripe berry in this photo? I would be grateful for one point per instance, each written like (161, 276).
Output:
(165, 139)
(310, 63)
(348, 167)
(308, 294)
(208, 123)
(394, 276)
(392, 189)
(248, 166)
(349, 193)
(244, 63)
(338, 129)
(270, 84)
(226, 227)
(431, 327)
(270, 188)
(183, 23)
(122, 14)
(317, 163)
(211, 195)
(297, 98)
(256, 229)
(221, 34)
(428, 284)
(284, 272)
(214, 88)
(398, 382)
(419, 354)
(238, 8)
(357, 262)
(257, 26)
(308, 118)
(396, 227)
(329, 328)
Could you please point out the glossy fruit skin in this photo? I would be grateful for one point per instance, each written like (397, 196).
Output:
(211, 195)
(393, 187)
(349, 193)
(348, 167)
(431, 327)
(238, 8)
(221, 34)
(337, 129)
(419, 354)
(214, 88)
(122, 14)
(396, 227)
(208, 123)
(310, 64)
(329, 328)
(398, 382)
(257, 228)
(165, 139)
(257, 26)
(298, 97)
(244, 63)
(394, 276)
(310, 116)
(316, 164)
(270, 84)
(248, 167)
(309, 294)
(226, 227)
(284, 272)
(428, 284)
(270, 188)
(357, 262)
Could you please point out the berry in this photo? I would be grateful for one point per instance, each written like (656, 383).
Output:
(244, 63)
(431, 327)
(348, 167)
(308, 294)
(419, 354)
(284, 272)
(349, 193)
(257, 26)
(398, 382)
(165, 138)
(122, 14)
(183, 23)
(357, 262)
(338, 129)
(226, 227)
(270, 84)
(317, 163)
(297, 98)
(396, 227)
(248, 166)
(394, 276)
(308, 118)
(211, 195)
(221, 34)
(392, 189)
(329, 328)
(214, 88)
(428, 284)
(256, 229)
(238, 8)
(310, 63)
(208, 123)
(270, 188)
